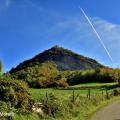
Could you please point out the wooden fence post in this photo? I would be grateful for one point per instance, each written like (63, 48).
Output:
(73, 97)
(46, 97)
(107, 94)
(89, 93)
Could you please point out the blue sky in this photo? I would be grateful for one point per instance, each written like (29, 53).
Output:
(28, 27)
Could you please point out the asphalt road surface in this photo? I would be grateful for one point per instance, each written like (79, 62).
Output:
(110, 112)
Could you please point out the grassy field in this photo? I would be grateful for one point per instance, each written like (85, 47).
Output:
(63, 93)
(83, 107)
(95, 84)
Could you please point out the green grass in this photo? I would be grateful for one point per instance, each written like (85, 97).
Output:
(63, 93)
(95, 84)
(32, 116)
(82, 111)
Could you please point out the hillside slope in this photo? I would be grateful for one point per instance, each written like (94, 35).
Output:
(63, 58)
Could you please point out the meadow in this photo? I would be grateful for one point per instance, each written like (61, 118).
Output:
(81, 89)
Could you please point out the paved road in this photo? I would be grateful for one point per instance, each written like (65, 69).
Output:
(111, 112)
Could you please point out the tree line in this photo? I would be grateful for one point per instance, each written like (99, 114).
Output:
(47, 75)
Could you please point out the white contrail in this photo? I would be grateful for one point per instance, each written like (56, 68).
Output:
(99, 38)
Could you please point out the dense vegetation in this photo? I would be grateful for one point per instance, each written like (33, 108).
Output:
(15, 94)
(47, 75)
(104, 75)
(41, 76)
(14, 98)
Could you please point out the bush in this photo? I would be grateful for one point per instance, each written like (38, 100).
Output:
(61, 83)
(15, 93)
(116, 92)
(8, 95)
(50, 105)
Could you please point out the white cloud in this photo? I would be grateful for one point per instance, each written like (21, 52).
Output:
(110, 34)
(77, 31)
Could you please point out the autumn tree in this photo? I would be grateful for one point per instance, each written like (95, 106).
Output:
(116, 75)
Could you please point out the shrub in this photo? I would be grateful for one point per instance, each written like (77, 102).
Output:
(8, 95)
(50, 105)
(116, 92)
(61, 83)
(15, 93)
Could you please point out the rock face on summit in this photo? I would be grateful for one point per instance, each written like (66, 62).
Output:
(64, 59)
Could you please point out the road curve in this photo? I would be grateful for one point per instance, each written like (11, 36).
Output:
(110, 112)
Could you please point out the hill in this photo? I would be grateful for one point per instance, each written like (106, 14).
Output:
(64, 59)
(59, 67)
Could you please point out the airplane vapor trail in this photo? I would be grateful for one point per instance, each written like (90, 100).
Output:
(98, 36)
